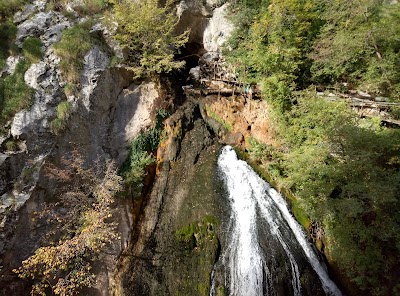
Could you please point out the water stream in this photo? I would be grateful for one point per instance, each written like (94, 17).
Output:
(266, 250)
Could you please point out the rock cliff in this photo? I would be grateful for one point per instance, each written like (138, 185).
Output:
(108, 110)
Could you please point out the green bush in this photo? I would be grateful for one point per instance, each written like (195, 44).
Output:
(344, 172)
(11, 145)
(69, 89)
(64, 110)
(32, 49)
(91, 7)
(139, 157)
(146, 30)
(74, 44)
(15, 95)
(57, 125)
(359, 44)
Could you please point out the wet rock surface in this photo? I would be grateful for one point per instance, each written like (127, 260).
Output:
(185, 193)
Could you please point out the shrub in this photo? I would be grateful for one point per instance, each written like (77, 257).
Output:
(57, 125)
(11, 145)
(69, 89)
(32, 49)
(8, 7)
(74, 44)
(133, 170)
(90, 7)
(64, 110)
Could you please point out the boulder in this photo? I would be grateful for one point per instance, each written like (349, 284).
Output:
(33, 74)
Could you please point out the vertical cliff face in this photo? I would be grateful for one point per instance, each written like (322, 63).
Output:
(108, 110)
(176, 244)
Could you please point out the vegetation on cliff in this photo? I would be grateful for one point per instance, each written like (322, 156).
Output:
(74, 44)
(81, 228)
(140, 156)
(344, 170)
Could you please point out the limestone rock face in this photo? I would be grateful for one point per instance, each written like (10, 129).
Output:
(218, 29)
(95, 62)
(24, 186)
(132, 114)
(108, 111)
(207, 22)
(44, 78)
(194, 16)
(29, 10)
(11, 63)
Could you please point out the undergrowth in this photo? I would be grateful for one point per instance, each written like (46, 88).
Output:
(140, 155)
(32, 49)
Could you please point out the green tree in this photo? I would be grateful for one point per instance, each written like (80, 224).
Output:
(146, 30)
(345, 173)
(275, 52)
(359, 44)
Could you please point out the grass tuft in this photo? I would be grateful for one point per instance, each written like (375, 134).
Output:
(15, 95)
(74, 44)
(64, 110)
(32, 49)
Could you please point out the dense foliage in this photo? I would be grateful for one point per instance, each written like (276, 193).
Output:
(343, 170)
(146, 30)
(290, 44)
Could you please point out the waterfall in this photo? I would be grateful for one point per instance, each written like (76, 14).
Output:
(254, 202)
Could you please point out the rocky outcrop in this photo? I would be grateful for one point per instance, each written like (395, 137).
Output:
(208, 23)
(133, 113)
(96, 115)
(218, 29)
(95, 62)
(107, 112)
(159, 262)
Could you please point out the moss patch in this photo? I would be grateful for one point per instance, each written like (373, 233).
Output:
(200, 245)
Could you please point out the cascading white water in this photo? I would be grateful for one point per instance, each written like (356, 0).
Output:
(251, 199)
